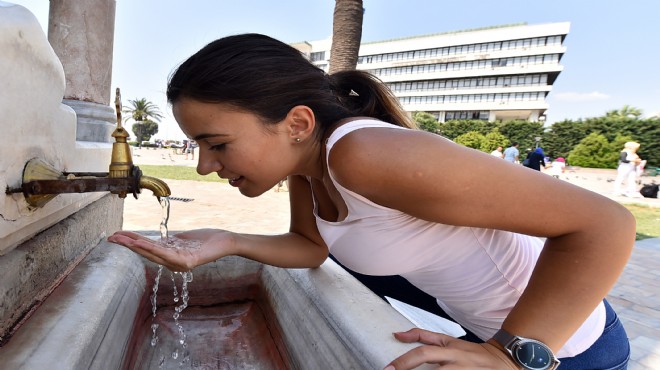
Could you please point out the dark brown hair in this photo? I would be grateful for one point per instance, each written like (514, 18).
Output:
(267, 77)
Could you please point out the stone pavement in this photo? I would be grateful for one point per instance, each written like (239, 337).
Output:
(636, 296)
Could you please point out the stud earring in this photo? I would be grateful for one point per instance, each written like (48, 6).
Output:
(298, 140)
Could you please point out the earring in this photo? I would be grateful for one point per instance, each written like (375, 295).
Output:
(298, 140)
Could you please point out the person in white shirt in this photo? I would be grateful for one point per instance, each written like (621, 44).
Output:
(497, 152)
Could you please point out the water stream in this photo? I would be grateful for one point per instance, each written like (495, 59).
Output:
(186, 277)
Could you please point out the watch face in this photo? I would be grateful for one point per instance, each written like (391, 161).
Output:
(533, 355)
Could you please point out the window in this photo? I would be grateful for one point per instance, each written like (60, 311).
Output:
(320, 55)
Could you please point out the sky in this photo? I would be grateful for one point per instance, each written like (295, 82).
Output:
(612, 57)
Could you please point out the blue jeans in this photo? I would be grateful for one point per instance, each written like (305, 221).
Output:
(610, 352)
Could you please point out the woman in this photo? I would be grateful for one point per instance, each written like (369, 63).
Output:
(387, 199)
(536, 159)
(629, 161)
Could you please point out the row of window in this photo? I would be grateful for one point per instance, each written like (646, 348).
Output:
(471, 83)
(467, 114)
(476, 64)
(473, 98)
(456, 50)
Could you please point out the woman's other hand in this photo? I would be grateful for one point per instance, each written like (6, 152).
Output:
(449, 352)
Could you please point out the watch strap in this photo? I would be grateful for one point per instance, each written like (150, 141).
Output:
(504, 338)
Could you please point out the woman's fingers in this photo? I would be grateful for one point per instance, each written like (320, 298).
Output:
(423, 336)
(171, 258)
(130, 234)
(427, 354)
(448, 353)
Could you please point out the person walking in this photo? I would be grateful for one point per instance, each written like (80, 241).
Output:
(558, 167)
(629, 160)
(497, 152)
(260, 112)
(511, 153)
(535, 160)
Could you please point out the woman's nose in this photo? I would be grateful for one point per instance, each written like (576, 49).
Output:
(206, 164)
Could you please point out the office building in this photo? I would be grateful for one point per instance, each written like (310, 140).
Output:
(496, 73)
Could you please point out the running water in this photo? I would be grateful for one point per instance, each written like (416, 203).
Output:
(165, 205)
(186, 278)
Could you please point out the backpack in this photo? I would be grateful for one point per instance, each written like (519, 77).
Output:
(649, 190)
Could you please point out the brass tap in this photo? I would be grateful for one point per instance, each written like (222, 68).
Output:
(42, 182)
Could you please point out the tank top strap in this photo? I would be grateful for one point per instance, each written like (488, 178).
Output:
(349, 127)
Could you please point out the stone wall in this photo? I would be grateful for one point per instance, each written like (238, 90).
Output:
(39, 246)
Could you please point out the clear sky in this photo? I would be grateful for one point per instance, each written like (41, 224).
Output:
(612, 57)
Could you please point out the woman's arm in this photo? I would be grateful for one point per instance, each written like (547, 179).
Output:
(589, 237)
(301, 247)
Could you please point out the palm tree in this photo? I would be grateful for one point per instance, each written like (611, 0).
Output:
(143, 112)
(346, 35)
(625, 112)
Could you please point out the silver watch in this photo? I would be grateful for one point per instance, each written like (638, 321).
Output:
(530, 354)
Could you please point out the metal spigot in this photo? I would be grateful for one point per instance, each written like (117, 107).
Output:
(42, 182)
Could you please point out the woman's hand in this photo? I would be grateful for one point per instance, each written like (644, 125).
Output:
(448, 352)
(183, 252)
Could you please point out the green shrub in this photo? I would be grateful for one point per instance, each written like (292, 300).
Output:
(593, 151)
(471, 139)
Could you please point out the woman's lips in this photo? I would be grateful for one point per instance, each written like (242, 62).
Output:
(236, 181)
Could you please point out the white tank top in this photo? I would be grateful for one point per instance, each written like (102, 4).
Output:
(476, 275)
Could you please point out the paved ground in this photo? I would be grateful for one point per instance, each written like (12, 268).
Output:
(636, 297)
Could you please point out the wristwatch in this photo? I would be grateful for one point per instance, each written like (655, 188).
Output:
(530, 354)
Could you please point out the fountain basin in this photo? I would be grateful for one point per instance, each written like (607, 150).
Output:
(241, 314)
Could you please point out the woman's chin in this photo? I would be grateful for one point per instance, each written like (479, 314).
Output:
(251, 192)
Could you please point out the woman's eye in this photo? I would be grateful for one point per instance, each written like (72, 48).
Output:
(217, 147)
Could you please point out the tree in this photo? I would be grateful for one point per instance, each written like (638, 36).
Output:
(523, 132)
(145, 114)
(625, 112)
(455, 128)
(471, 139)
(144, 130)
(492, 140)
(593, 151)
(562, 137)
(142, 110)
(426, 121)
(346, 35)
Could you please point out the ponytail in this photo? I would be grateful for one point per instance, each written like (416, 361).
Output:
(363, 94)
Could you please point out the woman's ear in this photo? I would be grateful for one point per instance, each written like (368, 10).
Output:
(300, 123)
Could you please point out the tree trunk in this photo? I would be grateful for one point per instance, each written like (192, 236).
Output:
(346, 35)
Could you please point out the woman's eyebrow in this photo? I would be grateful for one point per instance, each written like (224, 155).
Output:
(206, 136)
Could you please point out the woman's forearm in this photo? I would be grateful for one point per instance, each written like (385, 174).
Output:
(573, 274)
(289, 250)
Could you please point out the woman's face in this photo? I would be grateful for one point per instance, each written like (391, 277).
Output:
(236, 145)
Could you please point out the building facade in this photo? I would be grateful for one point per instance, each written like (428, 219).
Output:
(498, 73)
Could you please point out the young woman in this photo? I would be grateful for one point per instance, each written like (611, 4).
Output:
(387, 199)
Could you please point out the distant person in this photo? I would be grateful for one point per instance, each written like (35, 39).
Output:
(627, 170)
(535, 160)
(190, 149)
(184, 146)
(557, 167)
(511, 153)
(497, 152)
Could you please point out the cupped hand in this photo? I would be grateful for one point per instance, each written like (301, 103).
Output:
(212, 244)
(448, 353)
